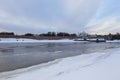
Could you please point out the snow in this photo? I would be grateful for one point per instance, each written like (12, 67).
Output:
(102, 65)
(22, 40)
(14, 40)
(96, 39)
(113, 41)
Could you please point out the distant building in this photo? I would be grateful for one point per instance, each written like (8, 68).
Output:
(83, 35)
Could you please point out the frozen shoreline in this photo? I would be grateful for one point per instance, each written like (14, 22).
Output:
(23, 40)
(96, 66)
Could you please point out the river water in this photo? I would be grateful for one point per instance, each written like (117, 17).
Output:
(20, 55)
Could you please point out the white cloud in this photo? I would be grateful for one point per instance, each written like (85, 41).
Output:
(80, 12)
(80, 7)
(69, 16)
(4, 30)
(106, 20)
(14, 22)
(72, 6)
(105, 26)
(20, 21)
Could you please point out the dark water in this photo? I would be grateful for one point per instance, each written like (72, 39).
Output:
(18, 55)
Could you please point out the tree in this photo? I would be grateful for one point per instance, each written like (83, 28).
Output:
(73, 35)
(62, 34)
(110, 36)
(53, 34)
(7, 33)
(29, 34)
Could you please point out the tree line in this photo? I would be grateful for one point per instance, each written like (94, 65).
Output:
(110, 36)
(53, 34)
(43, 34)
(114, 36)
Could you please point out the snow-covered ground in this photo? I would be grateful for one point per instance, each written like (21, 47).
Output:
(103, 65)
(113, 41)
(22, 40)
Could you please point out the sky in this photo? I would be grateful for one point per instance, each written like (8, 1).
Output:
(73, 16)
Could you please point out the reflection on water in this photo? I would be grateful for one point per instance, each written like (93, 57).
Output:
(14, 56)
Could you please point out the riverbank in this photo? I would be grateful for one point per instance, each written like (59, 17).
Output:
(102, 65)
(24, 40)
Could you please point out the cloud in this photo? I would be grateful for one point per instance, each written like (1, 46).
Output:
(106, 20)
(70, 15)
(12, 20)
(80, 12)
(38, 16)
(72, 6)
(105, 26)
(4, 30)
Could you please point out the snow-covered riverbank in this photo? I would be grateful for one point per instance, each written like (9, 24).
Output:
(95, 66)
(110, 41)
(23, 40)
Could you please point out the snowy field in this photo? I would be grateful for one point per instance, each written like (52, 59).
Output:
(102, 65)
(114, 41)
(22, 40)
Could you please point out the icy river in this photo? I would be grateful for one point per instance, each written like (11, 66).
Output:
(20, 55)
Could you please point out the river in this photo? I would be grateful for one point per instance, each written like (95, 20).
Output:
(20, 55)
